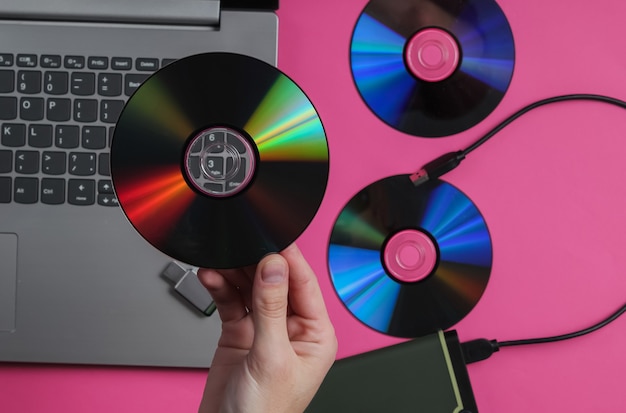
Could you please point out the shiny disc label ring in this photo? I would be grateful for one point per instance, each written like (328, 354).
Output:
(410, 256)
(432, 55)
(219, 162)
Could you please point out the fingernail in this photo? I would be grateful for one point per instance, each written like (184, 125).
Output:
(274, 271)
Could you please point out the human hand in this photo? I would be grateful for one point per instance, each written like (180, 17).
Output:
(277, 341)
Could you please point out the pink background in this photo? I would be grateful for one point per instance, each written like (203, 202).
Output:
(550, 187)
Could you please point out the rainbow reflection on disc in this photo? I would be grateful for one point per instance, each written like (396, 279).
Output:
(432, 68)
(404, 301)
(219, 159)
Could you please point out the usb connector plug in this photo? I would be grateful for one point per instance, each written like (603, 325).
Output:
(186, 283)
(434, 169)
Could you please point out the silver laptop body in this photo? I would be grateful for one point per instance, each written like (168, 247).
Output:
(77, 283)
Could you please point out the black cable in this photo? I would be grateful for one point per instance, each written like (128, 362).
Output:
(568, 336)
(451, 160)
(539, 103)
(481, 349)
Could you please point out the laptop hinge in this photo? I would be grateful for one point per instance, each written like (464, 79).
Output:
(250, 4)
(183, 12)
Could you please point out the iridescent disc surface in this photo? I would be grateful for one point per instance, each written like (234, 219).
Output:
(430, 106)
(396, 307)
(219, 159)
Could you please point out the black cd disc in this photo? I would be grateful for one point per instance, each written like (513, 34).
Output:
(432, 68)
(408, 261)
(219, 159)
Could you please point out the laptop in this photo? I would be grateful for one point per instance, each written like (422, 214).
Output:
(77, 282)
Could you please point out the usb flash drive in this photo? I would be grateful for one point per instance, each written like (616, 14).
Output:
(186, 283)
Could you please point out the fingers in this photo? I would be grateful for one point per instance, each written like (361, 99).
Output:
(242, 281)
(269, 304)
(228, 299)
(282, 284)
(305, 295)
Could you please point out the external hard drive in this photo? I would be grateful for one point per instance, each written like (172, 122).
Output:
(424, 375)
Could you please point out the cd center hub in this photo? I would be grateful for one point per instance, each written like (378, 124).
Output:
(410, 256)
(219, 162)
(432, 55)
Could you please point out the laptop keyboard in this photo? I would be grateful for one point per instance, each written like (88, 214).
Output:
(57, 117)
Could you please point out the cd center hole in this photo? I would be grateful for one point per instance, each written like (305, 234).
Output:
(219, 162)
(410, 256)
(432, 55)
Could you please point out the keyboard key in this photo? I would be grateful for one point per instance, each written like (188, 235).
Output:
(111, 133)
(40, 136)
(53, 163)
(121, 63)
(29, 82)
(110, 84)
(52, 191)
(197, 146)
(85, 110)
(27, 162)
(165, 62)
(81, 192)
(74, 62)
(239, 177)
(132, 82)
(94, 137)
(59, 110)
(55, 83)
(13, 135)
(104, 167)
(8, 108)
(237, 144)
(215, 140)
(105, 186)
(146, 65)
(108, 200)
(7, 81)
(66, 136)
(110, 110)
(6, 161)
(32, 109)
(98, 63)
(83, 84)
(51, 61)
(27, 60)
(5, 190)
(6, 59)
(194, 166)
(26, 190)
(82, 163)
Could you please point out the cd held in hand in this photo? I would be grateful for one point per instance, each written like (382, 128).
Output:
(219, 159)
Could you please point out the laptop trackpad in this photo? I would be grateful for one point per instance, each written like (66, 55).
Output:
(8, 279)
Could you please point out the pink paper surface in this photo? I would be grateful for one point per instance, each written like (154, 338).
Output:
(550, 187)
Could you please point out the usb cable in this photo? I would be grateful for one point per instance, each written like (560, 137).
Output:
(481, 349)
(449, 161)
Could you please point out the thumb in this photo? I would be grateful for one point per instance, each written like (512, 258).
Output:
(269, 303)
